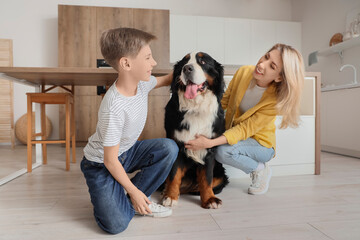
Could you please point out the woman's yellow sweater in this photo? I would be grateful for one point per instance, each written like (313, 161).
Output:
(259, 121)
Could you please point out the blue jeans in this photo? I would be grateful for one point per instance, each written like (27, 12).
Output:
(245, 155)
(112, 208)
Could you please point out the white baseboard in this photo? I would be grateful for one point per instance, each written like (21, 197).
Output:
(12, 176)
(18, 173)
(341, 151)
(277, 170)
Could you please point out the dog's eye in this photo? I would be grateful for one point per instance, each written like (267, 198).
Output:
(202, 62)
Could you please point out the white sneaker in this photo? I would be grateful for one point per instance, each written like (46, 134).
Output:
(158, 211)
(260, 181)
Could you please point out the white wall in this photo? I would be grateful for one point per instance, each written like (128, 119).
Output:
(33, 27)
(340, 113)
(321, 19)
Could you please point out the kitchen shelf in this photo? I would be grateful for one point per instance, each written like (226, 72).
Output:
(338, 48)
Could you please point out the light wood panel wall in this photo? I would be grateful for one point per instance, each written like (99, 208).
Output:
(76, 35)
(77, 41)
(80, 28)
(6, 95)
(156, 22)
(107, 18)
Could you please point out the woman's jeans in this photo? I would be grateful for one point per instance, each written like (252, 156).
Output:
(112, 208)
(245, 155)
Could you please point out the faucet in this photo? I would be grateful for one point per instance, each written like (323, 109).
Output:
(352, 66)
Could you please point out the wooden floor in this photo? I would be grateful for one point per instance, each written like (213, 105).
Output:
(51, 203)
(12, 160)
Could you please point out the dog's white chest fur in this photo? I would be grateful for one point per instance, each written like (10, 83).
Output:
(200, 116)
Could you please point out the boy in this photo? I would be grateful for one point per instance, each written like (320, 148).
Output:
(113, 150)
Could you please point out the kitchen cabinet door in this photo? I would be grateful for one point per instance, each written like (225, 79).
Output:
(109, 17)
(289, 33)
(76, 36)
(237, 41)
(263, 37)
(183, 36)
(157, 23)
(210, 37)
(77, 48)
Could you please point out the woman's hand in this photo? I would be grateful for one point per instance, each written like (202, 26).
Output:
(140, 202)
(200, 142)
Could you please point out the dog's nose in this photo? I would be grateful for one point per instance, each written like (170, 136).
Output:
(188, 69)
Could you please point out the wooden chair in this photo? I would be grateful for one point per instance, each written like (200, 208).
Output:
(44, 98)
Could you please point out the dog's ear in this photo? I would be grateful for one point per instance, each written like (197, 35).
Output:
(177, 72)
(219, 80)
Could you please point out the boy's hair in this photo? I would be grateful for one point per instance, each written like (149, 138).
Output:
(289, 90)
(122, 42)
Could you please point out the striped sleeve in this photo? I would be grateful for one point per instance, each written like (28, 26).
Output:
(150, 84)
(110, 128)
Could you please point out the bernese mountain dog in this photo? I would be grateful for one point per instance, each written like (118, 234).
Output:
(194, 109)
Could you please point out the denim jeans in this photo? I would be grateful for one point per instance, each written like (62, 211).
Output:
(245, 155)
(112, 208)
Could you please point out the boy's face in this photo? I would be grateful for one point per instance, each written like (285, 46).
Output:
(142, 64)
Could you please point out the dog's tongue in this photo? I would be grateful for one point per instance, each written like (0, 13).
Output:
(191, 91)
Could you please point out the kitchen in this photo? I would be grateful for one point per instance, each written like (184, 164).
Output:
(35, 44)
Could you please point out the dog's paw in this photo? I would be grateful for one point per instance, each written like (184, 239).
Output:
(212, 203)
(168, 202)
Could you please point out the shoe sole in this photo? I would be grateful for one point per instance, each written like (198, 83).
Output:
(160, 215)
(156, 215)
(266, 188)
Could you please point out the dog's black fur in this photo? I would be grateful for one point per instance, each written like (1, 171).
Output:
(195, 108)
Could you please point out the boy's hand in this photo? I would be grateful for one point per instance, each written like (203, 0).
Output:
(140, 202)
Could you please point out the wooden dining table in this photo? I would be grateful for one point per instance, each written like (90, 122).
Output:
(61, 76)
(39, 77)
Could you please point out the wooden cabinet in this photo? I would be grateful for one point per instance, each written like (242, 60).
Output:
(157, 23)
(76, 36)
(80, 29)
(107, 18)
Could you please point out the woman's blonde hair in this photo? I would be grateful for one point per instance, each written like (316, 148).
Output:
(289, 90)
(122, 42)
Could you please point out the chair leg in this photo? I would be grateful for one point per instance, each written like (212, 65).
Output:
(29, 133)
(67, 134)
(43, 133)
(73, 129)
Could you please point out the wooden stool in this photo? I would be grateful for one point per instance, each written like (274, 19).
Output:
(50, 98)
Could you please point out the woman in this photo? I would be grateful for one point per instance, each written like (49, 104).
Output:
(255, 95)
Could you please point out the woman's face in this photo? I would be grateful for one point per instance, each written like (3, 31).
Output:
(268, 69)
